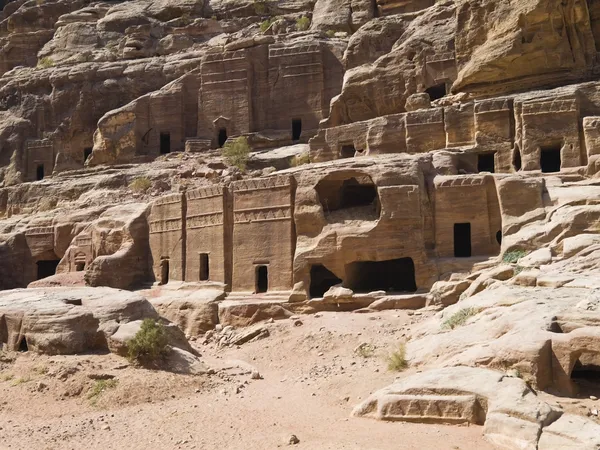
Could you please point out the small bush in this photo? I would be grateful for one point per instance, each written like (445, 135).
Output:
(45, 62)
(237, 152)
(513, 256)
(265, 24)
(396, 360)
(460, 318)
(99, 387)
(302, 23)
(149, 344)
(299, 160)
(140, 184)
(330, 33)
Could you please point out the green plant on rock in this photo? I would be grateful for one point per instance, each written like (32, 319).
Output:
(237, 152)
(45, 63)
(396, 360)
(302, 23)
(149, 344)
(460, 317)
(265, 24)
(513, 256)
(330, 33)
(140, 184)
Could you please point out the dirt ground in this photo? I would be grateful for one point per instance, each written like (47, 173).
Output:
(312, 377)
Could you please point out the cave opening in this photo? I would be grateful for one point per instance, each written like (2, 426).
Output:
(436, 92)
(222, 137)
(347, 151)
(296, 129)
(164, 271)
(23, 347)
(586, 374)
(394, 275)
(47, 268)
(321, 280)
(39, 172)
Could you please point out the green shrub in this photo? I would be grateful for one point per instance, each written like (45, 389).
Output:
(140, 184)
(265, 24)
(513, 256)
(460, 318)
(237, 152)
(302, 23)
(396, 360)
(149, 344)
(330, 33)
(301, 159)
(45, 62)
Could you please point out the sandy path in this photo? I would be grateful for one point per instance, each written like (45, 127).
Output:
(312, 380)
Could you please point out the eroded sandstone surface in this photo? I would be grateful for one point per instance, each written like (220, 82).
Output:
(436, 157)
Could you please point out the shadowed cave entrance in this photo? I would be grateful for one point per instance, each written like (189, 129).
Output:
(39, 172)
(222, 137)
(164, 271)
(436, 92)
(296, 129)
(586, 374)
(321, 279)
(394, 275)
(355, 192)
(462, 240)
(47, 268)
(23, 347)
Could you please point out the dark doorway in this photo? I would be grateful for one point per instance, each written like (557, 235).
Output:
(499, 237)
(321, 279)
(204, 270)
(347, 151)
(39, 172)
(485, 162)
(436, 92)
(79, 267)
(164, 271)
(517, 159)
(262, 279)
(359, 191)
(296, 129)
(462, 240)
(87, 153)
(222, 138)
(23, 347)
(47, 268)
(165, 143)
(550, 159)
(394, 275)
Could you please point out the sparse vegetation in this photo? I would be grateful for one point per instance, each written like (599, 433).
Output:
(237, 152)
(149, 344)
(99, 387)
(265, 24)
(299, 160)
(330, 33)
(513, 256)
(140, 184)
(21, 380)
(460, 317)
(365, 350)
(7, 377)
(41, 370)
(261, 7)
(45, 63)
(518, 269)
(396, 360)
(302, 23)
